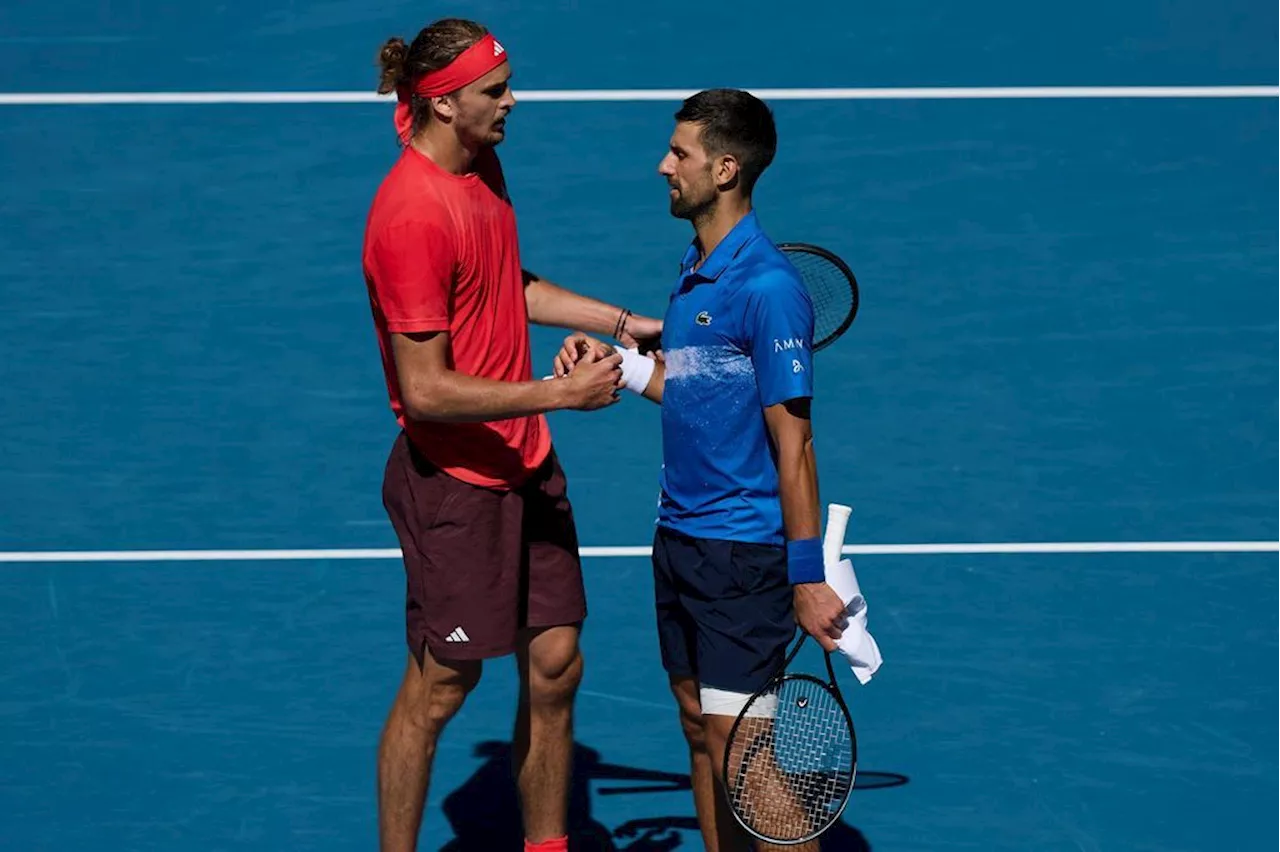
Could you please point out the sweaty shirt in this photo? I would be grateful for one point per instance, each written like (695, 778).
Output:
(441, 253)
(737, 337)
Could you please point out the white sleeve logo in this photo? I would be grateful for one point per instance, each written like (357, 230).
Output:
(796, 366)
(787, 343)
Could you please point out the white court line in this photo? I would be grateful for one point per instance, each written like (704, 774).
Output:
(636, 95)
(642, 551)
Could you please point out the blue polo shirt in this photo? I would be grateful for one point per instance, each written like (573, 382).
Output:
(737, 337)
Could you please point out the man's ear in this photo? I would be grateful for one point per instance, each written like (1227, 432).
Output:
(726, 172)
(444, 107)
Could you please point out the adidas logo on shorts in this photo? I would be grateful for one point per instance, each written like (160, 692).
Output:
(458, 635)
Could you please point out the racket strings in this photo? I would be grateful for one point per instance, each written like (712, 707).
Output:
(829, 289)
(791, 762)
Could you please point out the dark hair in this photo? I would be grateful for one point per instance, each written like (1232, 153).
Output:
(435, 47)
(738, 123)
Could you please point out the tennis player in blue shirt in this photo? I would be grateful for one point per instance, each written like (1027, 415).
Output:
(737, 553)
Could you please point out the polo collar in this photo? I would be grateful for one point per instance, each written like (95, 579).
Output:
(725, 252)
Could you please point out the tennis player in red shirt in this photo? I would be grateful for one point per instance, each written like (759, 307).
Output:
(472, 485)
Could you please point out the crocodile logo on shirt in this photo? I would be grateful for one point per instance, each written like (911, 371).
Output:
(703, 318)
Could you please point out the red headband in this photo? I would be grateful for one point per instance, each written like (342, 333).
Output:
(472, 64)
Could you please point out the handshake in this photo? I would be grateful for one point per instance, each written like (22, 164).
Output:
(595, 372)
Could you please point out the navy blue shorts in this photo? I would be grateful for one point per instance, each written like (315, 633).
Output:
(725, 612)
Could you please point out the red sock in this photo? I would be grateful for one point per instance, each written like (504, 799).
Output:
(558, 844)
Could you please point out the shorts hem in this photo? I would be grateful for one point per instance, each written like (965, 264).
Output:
(469, 651)
(679, 671)
(727, 685)
(570, 621)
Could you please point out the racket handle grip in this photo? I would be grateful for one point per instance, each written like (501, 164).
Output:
(833, 541)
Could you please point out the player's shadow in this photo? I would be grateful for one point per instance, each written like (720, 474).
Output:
(484, 811)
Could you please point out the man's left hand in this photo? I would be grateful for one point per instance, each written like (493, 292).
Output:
(820, 613)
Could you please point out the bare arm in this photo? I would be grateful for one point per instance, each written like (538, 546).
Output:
(658, 381)
(792, 433)
(431, 390)
(818, 608)
(550, 304)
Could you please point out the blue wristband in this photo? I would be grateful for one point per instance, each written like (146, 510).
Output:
(804, 561)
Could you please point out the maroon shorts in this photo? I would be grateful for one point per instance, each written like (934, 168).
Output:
(482, 564)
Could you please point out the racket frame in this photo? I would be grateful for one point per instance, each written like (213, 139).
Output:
(780, 677)
(838, 262)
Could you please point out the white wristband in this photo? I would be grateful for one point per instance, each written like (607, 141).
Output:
(636, 369)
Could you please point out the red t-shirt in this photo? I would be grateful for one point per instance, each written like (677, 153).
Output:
(441, 253)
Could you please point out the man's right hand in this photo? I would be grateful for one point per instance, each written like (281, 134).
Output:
(594, 383)
(819, 612)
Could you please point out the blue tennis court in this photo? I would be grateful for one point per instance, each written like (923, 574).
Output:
(1068, 334)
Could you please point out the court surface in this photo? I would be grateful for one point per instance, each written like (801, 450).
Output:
(1068, 334)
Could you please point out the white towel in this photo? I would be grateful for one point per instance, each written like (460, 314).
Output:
(857, 645)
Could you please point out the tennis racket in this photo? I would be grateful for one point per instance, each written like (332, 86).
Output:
(792, 753)
(832, 288)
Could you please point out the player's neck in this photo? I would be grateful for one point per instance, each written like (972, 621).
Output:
(442, 146)
(717, 223)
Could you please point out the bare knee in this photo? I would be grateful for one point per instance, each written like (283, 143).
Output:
(554, 668)
(431, 696)
(695, 731)
(691, 719)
